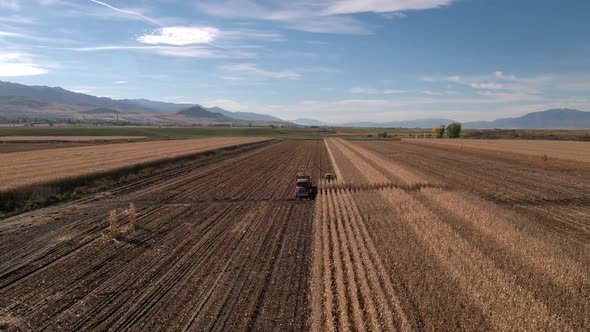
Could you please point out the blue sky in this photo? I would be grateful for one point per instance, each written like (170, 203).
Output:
(331, 60)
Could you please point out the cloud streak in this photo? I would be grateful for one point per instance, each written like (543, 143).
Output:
(129, 12)
(382, 6)
(183, 52)
(370, 91)
(251, 70)
(292, 15)
(328, 16)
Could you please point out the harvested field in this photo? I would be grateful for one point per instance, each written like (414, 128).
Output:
(566, 150)
(433, 248)
(215, 247)
(22, 169)
(408, 237)
(67, 138)
(10, 147)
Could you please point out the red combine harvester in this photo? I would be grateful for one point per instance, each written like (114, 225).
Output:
(303, 186)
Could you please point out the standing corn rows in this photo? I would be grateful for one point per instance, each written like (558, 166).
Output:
(465, 249)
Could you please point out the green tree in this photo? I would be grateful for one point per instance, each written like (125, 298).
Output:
(454, 130)
(439, 131)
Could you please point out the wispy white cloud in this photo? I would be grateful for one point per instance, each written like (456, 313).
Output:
(10, 34)
(251, 70)
(175, 51)
(494, 81)
(382, 6)
(9, 4)
(432, 98)
(328, 16)
(84, 89)
(180, 36)
(20, 35)
(242, 34)
(97, 10)
(55, 3)
(129, 12)
(120, 82)
(17, 19)
(231, 78)
(19, 64)
(439, 93)
(508, 97)
(394, 15)
(488, 86)
(302, 16)
(368, 91)
(227, 104)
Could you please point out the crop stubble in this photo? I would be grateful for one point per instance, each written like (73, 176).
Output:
(21, 169)
(215, 249)
(440, 253)
(408, 237)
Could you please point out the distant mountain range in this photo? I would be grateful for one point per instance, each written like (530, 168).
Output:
(58, 99)
(201, 113)
(419, 123)
(22, 103)
(173, 107)
(311, 122)
(550, 119)
(64, 97)
(248, 116)
(158, 105)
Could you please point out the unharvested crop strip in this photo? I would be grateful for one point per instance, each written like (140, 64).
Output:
(492, 289)
(328, 259)
(353, 288)
(549, 274)
(373, 259)
(372, 175)
(386, 166)
(317, 287)
(339, 178)
(495, 222)
(362, 266)
(338, 275)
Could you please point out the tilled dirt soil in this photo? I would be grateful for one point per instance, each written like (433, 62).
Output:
(221, 247)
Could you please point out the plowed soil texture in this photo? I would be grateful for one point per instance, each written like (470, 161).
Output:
(222, 246)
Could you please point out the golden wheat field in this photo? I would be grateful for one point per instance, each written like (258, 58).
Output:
(22, 169)
(566, 150)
